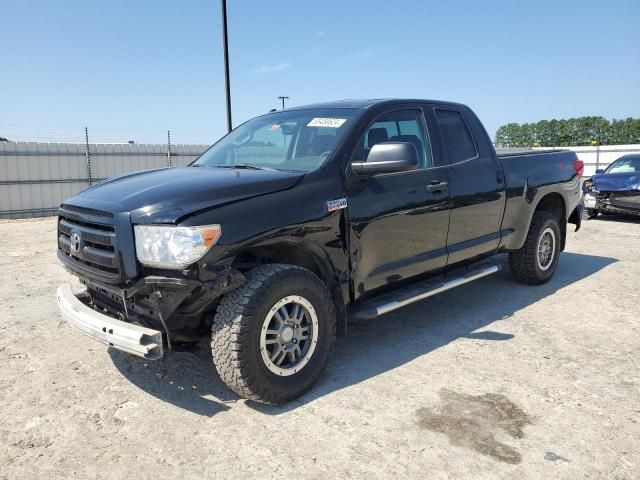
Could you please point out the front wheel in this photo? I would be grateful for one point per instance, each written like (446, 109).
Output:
(536, 261)
(272, 336)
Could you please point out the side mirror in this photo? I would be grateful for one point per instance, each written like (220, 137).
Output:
(600, 170)
(388, 157)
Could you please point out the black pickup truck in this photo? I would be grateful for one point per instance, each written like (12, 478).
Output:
(299, 220)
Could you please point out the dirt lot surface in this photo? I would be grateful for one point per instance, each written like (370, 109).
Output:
(492, 380)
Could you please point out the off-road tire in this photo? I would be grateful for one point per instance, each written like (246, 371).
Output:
(523, 263)
(235, 333)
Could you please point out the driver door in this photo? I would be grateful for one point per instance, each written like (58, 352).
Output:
(398, 221)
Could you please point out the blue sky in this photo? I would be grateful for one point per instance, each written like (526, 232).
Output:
(133, 69)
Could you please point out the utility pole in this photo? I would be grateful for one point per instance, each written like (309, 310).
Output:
(225, 40)
(598, 152)
(87, 155)
(283, 99)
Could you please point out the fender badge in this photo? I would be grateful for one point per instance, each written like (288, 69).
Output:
(337, 204)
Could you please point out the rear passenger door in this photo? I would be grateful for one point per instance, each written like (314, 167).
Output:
(475, 184)
(398, 221)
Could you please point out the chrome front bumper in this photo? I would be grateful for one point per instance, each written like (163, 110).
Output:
(133, 339)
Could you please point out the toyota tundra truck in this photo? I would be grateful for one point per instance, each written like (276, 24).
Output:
(301, 220)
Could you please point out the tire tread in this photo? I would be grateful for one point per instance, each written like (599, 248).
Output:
(231, 328)
(522, 263)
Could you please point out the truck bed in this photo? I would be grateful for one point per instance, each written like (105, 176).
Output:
(525, 152)
(530, 175)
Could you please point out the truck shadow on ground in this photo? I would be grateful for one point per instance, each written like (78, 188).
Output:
(190, 381)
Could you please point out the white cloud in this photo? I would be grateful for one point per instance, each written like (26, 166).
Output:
(278, 67)
(320, 34)
(360, 56)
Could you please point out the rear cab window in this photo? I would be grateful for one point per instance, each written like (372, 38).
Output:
(456, 137)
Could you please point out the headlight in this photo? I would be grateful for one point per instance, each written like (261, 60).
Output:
(165, 246)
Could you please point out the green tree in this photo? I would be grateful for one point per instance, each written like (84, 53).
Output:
(589, 130)
(553, 134)
(543, 133)
(506, 135)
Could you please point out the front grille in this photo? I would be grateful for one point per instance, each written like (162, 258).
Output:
(89, 246)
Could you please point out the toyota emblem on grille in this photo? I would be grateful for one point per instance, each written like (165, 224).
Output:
(74, 242)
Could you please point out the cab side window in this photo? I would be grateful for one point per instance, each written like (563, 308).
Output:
(400, 126)
(456, 136)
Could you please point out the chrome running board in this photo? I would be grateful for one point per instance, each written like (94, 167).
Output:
(391, 301)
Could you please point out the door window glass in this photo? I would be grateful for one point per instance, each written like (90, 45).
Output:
(401, 126)
(456, 136)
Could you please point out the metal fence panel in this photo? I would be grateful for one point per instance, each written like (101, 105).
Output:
(35, 178)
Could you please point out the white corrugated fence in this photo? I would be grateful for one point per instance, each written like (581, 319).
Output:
(35, 178)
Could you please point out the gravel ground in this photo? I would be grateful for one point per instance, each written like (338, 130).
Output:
(492, 380)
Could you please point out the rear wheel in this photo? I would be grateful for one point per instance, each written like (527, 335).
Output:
(271, 337)
(536, 261)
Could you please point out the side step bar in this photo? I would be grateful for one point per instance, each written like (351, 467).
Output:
(388, 302)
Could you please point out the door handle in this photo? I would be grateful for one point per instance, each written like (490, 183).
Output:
(437, 186)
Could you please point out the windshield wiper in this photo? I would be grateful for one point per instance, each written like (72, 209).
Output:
(247, 166)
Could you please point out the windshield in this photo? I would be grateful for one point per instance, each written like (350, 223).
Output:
(625, 165)
(299, 140)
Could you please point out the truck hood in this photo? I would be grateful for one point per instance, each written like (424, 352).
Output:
(166, 195)
(616, 182)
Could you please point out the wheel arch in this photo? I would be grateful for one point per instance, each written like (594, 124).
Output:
(555, 204)
(305, 254)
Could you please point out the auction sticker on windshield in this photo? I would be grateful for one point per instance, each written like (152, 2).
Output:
(326, 122)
